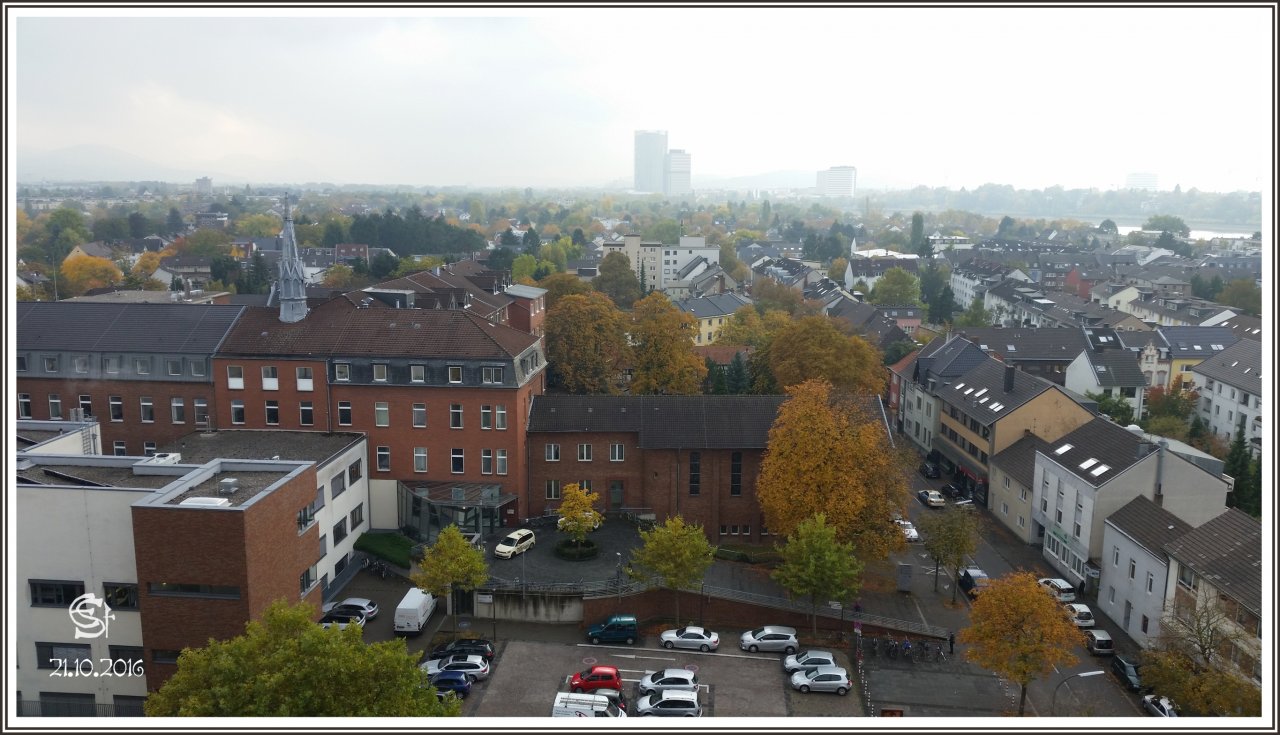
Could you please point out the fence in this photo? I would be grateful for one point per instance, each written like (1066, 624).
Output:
(36, 708)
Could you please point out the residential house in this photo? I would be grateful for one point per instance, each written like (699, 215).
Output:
(1043, 352)
(869, 322)
(95, 249)
(870, 270)
(710, 314)
(907, 317)
(194, 271)
(1135, 567)
(1012, 488)
(787, 272)
(1016, 304)
(1241, 325)
(1113, 295)
(211, 220)
(1081, 280)
(1188, 346)
(1106, 366)
(1230, 387)
(935, 366)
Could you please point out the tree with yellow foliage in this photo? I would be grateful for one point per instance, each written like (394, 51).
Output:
(664, 360)
(578, 515)
(1019, 631)
(812, 347)
(83, 272)
(586, 343)
(828, 452)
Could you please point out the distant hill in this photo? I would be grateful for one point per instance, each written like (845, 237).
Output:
(104, 163)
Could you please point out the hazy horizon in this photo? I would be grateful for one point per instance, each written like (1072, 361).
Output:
(486, 98)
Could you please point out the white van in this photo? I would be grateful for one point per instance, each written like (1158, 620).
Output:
(568, 704)
(1061, 589)
(413, 611)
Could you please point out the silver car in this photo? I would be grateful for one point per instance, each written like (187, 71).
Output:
(770, 638)
(471, 665)
(691, 636)
(822, 679)
(668, 679)
(669, 703)
(807, 660)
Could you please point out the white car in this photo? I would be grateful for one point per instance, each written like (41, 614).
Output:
(366, 606)
(471, 665)
(1081, 615)
(690, 636)
(908, 530)
(807, 660)
(516, 542)
(560, 524)
(1061, 589)
(668, 679)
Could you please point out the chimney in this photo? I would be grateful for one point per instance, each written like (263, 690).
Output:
(1008, 378)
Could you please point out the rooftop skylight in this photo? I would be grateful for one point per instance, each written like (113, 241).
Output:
(1097, 471)
(1063, 449)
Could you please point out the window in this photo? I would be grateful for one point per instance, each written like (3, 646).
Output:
(65, 656)
(197, 369)
(1004, 508)
(381, 413)
(235, 377)
(491, 375)
(164, 656)
(553, 489)
(22, 363)
(339, 484)
(616, 453)
(384, 459)
(54, 593)
(344, 413)
(1075, 531)
(1187, 579)
(553, 452)
(200, 407)
(417, 373)
(142, 365)
(1022, 494)
(111, 364)
(339, 531)
(357, 516)
(120, 595)
(419, 415)
(355, 471)
(457, 461)
(1133, 568)
(380, 372)
(584, 452)
(55, 407)
(735, 473)
(147, 411)
(173, 367)
(1151, 582)
(237, 412)
(342, 371)
(1022, 522)
(305, 381)
(1057, 513)
(695, 473)
(1115, 556)
(455, 373)
(118, 448)
(51, 364)
(81, 364)
(1144, 623)
(455, 415)
(306, 414)
(86, 405)
(273, 412)
(502, 462)
(501, 418)
(486, 417)
(419, 459)
(177, 410)
(24, 407)
(486, 461)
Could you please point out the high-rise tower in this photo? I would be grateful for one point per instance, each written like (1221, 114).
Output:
(651, 160)
(293, 289)
(678, 171)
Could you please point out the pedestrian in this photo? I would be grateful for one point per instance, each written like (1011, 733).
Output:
(857, 607)
(951, 642)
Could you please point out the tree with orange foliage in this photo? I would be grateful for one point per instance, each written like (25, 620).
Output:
(83, 272)
(665, 362)
(1019, 631)
(827, 452)
(812, 347)
(586, 343)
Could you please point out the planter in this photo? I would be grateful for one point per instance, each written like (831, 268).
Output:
(569, 551)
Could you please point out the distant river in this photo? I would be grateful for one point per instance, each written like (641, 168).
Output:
(1195, 234)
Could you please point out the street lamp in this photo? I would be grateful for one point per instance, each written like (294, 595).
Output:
(617, 577)
(1053, 707)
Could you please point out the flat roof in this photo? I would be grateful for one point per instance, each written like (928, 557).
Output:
(46, 472)
(248, 484)
(200, 447)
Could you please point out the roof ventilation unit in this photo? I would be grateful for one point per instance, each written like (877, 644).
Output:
(228, 486)
(207, 502)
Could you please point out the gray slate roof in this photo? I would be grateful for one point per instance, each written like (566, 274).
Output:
(669, 422)
(98, 327)
(980, 391)
(1116, 368)
(1106, 443)
(1018, 460)
(1227, 553)
(1148, 524)
(1239, 365)
(1028, 343)
(1185, 342)
(723, 304)
(1244, 327)
(948, 360)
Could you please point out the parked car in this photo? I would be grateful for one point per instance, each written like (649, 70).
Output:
(473, 666)
(616, 696)
(1099, 642)
(367, 607)
(934, 499)
(770, 638)
(1059, 588)
(973, 581)
(560, 524)
(669, 703)
(617, 629)
(596, 677)
(468, 646)
(1080, 614)
(908, 530)
(806, 660)
(1159, 706)
(452, 681)
(953, 490)
(1127, 671)
(930, 470)
(342, 619)
(690, 636)
(517, 542)
(659, 681)
(822, 679)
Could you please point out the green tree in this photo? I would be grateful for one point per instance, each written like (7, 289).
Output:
(110, 228)
(1117, 407)
(1167, 223)
(532, 242)
(975, 316)
(1176, 402)
(285, 665)
(665, 231)
(334, 233)
(559, 285)
(1019, 632)
(662, 349)
(816, 565)
(383, 264)
(586, 344)
(577, 512)
(1108, 227)
(451, 563)
(1242, 294)
(737, 381)
(174, 224)
(617, 280)
(942, 308)
(204, 242)
(950, 537)
(898, 350)
(259, 225)
(139, 225)
(896, 287)
(676, 553)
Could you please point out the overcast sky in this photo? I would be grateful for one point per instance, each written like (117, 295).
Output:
(1030, 97)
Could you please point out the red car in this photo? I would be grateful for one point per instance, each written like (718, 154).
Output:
(596, 677)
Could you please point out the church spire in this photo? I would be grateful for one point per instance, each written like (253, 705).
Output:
(293, 292)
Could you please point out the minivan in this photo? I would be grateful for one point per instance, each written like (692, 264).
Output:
(617, 629)
(517, 542)
(1099, 642)
(1061, 589)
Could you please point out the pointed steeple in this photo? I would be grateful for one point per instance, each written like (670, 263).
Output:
(293, 291)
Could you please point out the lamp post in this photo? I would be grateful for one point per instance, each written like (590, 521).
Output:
(1053, 707)
(617, 577)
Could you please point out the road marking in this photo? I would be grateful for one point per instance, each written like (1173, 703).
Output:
(652, 658)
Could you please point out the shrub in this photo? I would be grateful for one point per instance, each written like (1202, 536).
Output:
(569, 551)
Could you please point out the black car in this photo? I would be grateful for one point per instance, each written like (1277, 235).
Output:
(952, 490)
(466, 646)
(1126, 670)
(930, 470)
